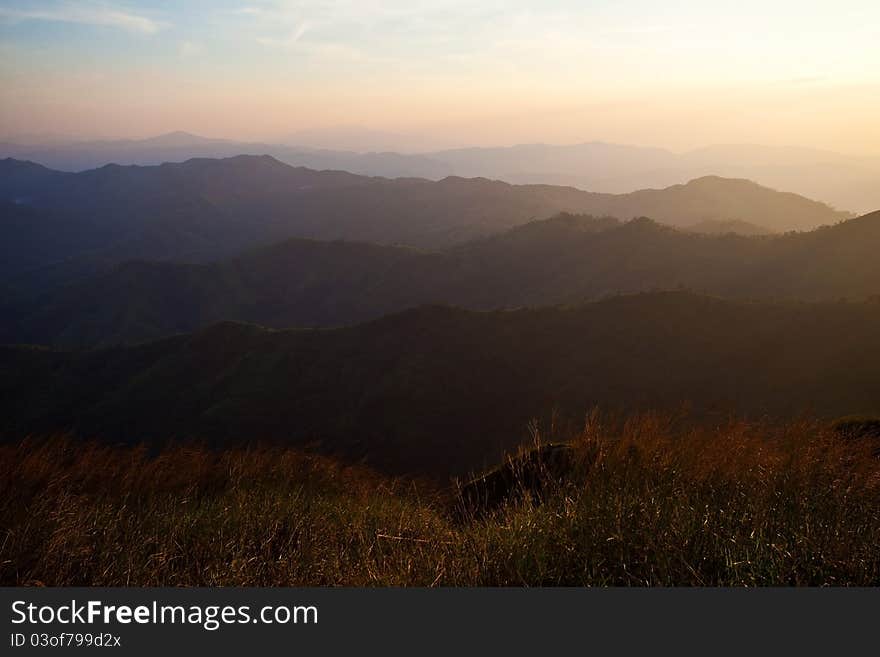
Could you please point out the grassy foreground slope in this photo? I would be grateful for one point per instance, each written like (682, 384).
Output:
(656, 502)
(445, 391)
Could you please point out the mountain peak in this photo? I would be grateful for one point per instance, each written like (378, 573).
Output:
(645, 223)
(262, 161)
(713, 181)
(8, 164)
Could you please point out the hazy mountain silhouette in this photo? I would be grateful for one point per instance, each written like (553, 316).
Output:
(392, 390)
(204, 209)
(566, 259)
(181, 146)
(847, 182)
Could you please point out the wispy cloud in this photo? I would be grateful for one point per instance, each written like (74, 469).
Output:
(84, 13)
(289, 40)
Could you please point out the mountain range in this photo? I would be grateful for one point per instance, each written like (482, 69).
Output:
(440, 391)
(845, 181)
(416, 325)
(204, 209)
(563, 260)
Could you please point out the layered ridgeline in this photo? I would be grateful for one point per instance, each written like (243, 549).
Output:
(392, 391)
(200, 210)
(566, 259)
(842, 180)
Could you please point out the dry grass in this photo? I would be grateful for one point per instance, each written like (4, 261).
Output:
(658, 502)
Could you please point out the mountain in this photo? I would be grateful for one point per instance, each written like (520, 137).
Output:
(181, 146)
(20, 180)
(391, 391)
(593, 164)
(204, 209)
(712, 198)
(844, 181)
(565, 259)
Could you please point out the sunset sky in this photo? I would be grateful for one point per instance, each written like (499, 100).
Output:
(455, 72)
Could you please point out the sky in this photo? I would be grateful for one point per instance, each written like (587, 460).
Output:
(442, 73)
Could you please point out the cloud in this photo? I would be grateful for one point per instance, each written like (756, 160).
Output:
(84, 13)
(290, 40)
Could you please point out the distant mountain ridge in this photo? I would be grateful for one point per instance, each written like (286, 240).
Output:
(847, 182)
(203, 209)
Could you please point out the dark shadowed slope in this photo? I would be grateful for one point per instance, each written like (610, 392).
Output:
(566, 259)
(20, 181)
(393, 391)
(33, 237)
(295, 283)
(204, 209)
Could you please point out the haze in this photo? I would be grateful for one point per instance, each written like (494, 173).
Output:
(445, 73)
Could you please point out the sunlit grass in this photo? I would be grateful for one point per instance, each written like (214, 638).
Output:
(656, 502)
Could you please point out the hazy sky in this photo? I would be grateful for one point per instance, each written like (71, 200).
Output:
(674, 74)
